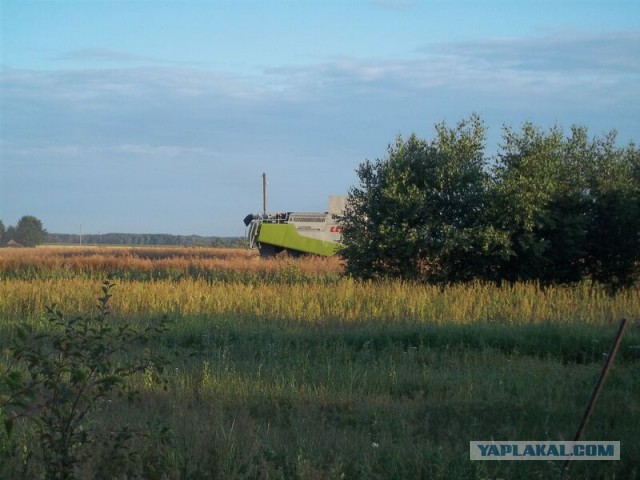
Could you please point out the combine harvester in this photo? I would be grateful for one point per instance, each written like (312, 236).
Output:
(296, 233)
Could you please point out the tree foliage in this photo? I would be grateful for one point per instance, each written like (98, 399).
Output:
(550, 208)
(421, 212)
(542, 200)
(613, 239)
(29, 232)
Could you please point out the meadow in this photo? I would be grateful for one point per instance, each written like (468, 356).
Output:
(283, 368)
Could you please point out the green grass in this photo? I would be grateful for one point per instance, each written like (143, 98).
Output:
(315, 402)
(253, 398)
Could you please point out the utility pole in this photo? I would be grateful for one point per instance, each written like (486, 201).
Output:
(264, 193)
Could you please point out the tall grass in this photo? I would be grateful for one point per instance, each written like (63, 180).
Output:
(170, 263)
(343, 300)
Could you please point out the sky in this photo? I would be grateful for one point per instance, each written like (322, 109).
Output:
(160, 116)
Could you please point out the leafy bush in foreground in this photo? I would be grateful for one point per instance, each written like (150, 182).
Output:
(57, 379)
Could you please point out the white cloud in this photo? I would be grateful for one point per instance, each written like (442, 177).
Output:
(178, 131)
(103, 55)
(164, 151)
(569, 52)
(191, 107)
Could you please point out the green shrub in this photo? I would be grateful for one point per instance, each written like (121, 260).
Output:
(56, 379)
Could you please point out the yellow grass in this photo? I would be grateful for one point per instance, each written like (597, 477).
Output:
(148, 259)
(278, 297)
(344, 300)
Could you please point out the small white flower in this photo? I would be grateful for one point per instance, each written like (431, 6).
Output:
(375, 445)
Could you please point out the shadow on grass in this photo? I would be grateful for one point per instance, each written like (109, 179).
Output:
(569, 343)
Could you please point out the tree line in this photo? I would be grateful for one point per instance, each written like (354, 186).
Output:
(548, 207)
(150, 239)
(29, 232)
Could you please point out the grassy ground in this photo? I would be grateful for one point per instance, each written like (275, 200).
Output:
(285, 370)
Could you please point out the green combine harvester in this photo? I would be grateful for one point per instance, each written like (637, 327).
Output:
(297, 233)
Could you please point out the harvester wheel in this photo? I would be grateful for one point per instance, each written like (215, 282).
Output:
(268, 251)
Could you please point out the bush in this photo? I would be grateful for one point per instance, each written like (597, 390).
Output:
(56, 379)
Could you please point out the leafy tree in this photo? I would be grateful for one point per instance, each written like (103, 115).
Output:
(553, 208)
(9, 235)
(541, 203)
(3, 230)
(420, 213)
(614, 233)
(29, 231)
(570, 206)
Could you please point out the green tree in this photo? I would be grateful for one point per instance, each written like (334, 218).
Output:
(553, 208)
(540, 201)
(419, 214)
(613, 249)
(3, 231)
(29, 231)
(9, 235)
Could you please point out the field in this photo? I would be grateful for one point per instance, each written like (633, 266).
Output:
(282, 368)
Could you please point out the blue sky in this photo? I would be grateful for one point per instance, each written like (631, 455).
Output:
(160, 116)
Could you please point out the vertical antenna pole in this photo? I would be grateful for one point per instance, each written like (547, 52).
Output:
(264, 193)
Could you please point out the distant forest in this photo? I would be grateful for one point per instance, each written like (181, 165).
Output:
(144, 239)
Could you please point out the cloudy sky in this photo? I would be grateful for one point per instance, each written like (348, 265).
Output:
(160, 116)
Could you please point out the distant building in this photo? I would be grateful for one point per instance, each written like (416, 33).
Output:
(14, 244)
